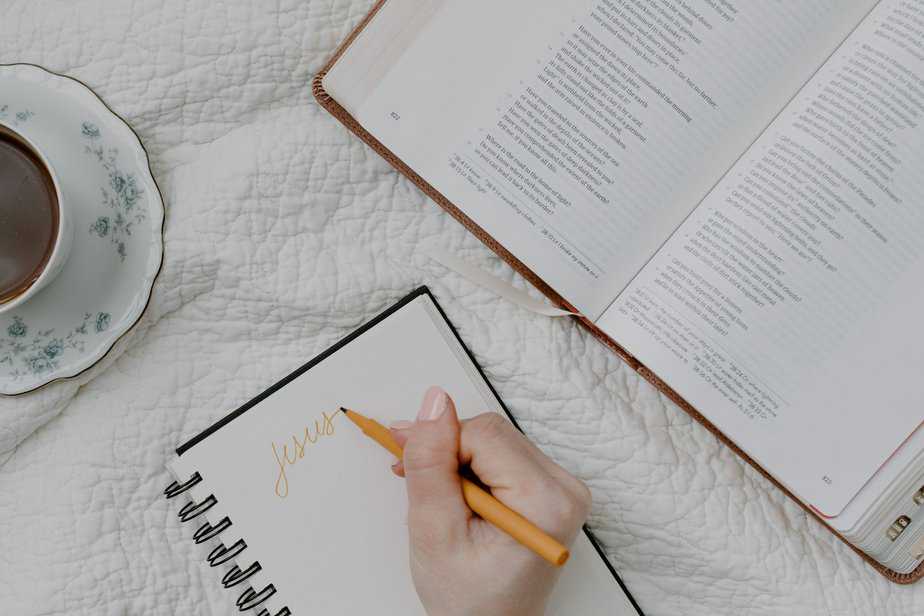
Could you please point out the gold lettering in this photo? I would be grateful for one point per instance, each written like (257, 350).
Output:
(308, 438)
(322, 427)
(285, 455)
(329, 424)
(282, 482)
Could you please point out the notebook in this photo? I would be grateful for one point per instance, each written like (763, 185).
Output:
(337, 516)
(727, 193)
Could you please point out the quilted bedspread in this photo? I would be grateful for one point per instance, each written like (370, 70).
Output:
(283, 233)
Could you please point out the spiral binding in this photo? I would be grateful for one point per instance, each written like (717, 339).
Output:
(249, 598)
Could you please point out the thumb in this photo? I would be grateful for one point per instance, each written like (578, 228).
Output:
(437, 513)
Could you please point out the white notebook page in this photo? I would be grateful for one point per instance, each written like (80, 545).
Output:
(343, 517)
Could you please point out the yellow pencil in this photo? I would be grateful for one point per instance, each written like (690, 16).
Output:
(478, 499)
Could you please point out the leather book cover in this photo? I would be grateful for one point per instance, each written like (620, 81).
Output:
(335, 109)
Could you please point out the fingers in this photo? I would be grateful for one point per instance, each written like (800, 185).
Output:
(437, 513)
(400, 434)
(515, 470)
(523, 477)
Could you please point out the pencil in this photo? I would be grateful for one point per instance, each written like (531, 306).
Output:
(478, 499)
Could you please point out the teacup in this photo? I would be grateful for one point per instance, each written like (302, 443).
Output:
(36, 225)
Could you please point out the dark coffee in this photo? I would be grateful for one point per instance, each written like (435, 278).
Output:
(28, 216)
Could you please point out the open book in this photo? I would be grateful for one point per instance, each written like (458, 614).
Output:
(311, 520)
(728, 192)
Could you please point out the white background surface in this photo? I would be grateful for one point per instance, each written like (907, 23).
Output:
(284, 233)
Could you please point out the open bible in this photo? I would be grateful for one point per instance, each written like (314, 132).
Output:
(729, 193)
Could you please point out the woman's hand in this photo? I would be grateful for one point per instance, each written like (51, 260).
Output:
(461, 565)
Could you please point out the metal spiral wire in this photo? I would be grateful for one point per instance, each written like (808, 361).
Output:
(221, 554)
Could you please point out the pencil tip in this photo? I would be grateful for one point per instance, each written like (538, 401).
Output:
(344, 410)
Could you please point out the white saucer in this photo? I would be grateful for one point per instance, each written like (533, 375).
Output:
(118, 243)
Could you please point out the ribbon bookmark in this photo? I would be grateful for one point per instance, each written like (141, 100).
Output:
(494, 284)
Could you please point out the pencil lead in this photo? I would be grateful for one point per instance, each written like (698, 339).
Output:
(344, 410)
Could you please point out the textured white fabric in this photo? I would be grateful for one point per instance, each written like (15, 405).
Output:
(284, 233)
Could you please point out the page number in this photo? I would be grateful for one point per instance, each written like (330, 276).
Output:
(826, 479)
(394, 115)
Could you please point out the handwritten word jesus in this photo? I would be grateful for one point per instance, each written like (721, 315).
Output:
(322, 427)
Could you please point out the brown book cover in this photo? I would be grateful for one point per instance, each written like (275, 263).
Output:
(335, 109)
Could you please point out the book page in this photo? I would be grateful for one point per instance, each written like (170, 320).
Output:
(315, 500)
(788, 307)
(580, 134)
(378, 46)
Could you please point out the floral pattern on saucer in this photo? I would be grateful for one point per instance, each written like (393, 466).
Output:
(119, 198)
(29, 353)
(118, 213)
(18, 117)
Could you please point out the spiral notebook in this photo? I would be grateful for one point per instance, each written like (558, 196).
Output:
(303, 511)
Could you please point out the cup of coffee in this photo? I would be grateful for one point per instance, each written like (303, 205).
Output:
(36, 228)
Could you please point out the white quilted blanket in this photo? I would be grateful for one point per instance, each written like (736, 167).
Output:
(284, 233)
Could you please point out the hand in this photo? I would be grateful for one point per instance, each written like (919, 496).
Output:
(462, 565)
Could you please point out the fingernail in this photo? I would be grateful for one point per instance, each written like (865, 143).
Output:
(400, 425)
(435, 403)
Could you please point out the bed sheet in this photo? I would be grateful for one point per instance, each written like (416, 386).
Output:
(283, 234)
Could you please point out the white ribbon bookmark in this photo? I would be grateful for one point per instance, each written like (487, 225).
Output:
(494, 284)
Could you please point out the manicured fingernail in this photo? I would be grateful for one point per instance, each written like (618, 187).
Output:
(400, 425)
(435, 403)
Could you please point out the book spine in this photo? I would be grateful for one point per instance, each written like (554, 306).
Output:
(250, 598)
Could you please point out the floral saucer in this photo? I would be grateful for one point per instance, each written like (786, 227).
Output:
(118, 242)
